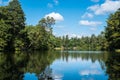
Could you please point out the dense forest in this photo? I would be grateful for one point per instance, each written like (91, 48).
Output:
(84, 43)
(16, 35)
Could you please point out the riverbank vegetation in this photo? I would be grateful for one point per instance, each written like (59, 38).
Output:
(15, 35)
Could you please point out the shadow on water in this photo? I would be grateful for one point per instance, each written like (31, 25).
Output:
(36, 65)
(11, 65)
(113, 66)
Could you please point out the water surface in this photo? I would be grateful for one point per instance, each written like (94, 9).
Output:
(60, 65)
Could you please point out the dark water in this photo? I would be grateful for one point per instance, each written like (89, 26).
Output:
(60, 65)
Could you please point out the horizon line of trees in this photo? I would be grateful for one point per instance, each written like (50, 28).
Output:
(15, 35)
(93, 43)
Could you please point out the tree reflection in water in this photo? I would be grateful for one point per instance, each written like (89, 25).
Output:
(113, 66)
(11, 66)
(46, 74)
(15, 66)
(39, 63)
(101, 57)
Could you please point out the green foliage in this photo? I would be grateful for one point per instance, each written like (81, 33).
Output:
(11, 66)
(5, 36)
(36, 37)
(12, 23)
(84, 43)
(112, 31)
(113, 66)
(3, 33)
(40, 36)
(17, 24)
(14, 35)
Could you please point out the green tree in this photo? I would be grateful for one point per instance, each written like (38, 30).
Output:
(40, 36)
(46, 27)
(5, 35)
(12, 27)
(17, 22)
(112, 31)
(36, 36)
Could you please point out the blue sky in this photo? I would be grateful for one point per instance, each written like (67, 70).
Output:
(73, 17)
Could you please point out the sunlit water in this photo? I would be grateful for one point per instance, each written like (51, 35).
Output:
(60, 65)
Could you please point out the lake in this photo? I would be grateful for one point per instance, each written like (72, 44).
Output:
(60, 65)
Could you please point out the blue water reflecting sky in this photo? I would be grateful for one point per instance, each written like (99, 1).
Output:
(78, 69)
(75, 66)
(30, 76)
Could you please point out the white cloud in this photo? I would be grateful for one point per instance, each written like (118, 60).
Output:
(107, 7)
(93, 8)
(95, 0)
(56, 2)
(56, 16)
(74, 35)
(89, 23)
(90, 72)
(71, 35)
(87, 15)
(50, 5)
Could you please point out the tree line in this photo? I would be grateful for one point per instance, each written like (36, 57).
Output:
(15, 35)
(92, 42)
